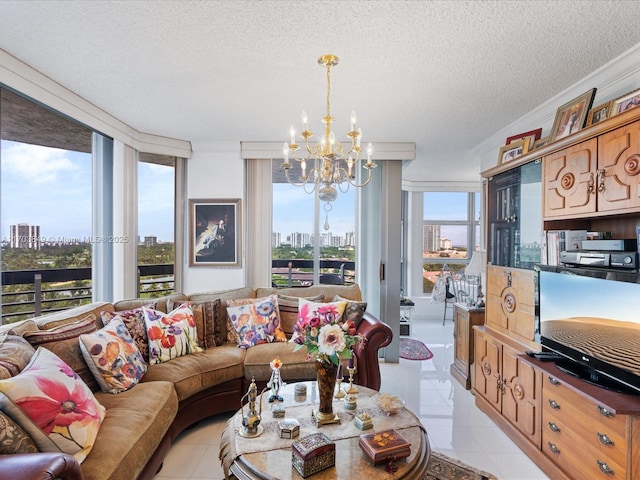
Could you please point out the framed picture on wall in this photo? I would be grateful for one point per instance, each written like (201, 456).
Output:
(215, 227)
(571, 117)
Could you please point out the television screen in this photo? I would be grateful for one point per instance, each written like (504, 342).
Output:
(591, 317)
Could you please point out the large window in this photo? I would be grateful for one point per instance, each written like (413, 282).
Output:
(451, 232)
(156, 225)
(45, 209)
(310, 237)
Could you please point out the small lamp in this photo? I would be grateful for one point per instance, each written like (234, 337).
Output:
(476, 268)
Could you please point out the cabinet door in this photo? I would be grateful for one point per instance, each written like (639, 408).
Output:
(520, 401)
(570, 181)
(510, 302)
(619, 169)
(487, 366)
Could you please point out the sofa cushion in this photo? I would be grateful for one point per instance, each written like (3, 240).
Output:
(134, 321)
(113, 357)
(295, 365)
(193, 373)
(155, 303)
(221, 330)
(288, 307)
(63, 341)
(172, 334)
(56, 399)
(256, 321)
(204, 314)
(72, 315)
(15, 353)
(13, 439)
(354, 311)
(136, 422)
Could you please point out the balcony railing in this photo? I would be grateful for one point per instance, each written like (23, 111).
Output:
(30, 293)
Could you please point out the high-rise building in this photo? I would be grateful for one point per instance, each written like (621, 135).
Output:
(150, 241)
(431, 238)
(275, 239)
(23, 235)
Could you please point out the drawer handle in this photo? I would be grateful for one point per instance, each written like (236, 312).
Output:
(554, 449)
(556, 428)
(555, 405)
(554, 381)
(604, 467)
(606, 413)
(605, 440)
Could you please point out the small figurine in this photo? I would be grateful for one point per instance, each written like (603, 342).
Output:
(251, 420)
(275, 382)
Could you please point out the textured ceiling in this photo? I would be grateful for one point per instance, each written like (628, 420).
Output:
(442, 74)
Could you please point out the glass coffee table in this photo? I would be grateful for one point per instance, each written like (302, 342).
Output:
(268, 457)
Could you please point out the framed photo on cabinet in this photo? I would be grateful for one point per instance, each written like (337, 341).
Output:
(215, 232)
(599, 113)
(533, 135)
(571, 117)
(541, 142)
(514, 150)
(625, 102)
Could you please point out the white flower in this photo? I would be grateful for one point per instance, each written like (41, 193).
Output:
(331, 339)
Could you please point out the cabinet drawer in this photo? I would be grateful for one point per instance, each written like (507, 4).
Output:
(581, 463)
(580, 439)
(582, 411)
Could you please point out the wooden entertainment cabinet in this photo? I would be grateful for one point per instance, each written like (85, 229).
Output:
(590, 180)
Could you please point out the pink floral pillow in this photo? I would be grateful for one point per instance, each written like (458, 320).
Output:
(113, 357)
(57, 401)
(257, 322)
(171, 335)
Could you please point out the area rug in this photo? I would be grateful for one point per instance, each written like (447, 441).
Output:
(411, 349)
(441, 467)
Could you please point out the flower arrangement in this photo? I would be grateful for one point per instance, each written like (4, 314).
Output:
(321, 329)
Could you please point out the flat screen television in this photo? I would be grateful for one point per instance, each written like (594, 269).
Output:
(591, 319)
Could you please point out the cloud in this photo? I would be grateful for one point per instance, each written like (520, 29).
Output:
(36, 164)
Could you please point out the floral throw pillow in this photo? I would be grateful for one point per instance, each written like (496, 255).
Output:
(257, 322)
(53, 396)
(113, 357)
(315, 314)
(172, 334)
(134, 321)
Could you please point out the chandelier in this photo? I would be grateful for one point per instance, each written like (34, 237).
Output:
(332, 163)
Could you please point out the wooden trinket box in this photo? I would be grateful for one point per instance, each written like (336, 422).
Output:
(313, 453)
(386, 446)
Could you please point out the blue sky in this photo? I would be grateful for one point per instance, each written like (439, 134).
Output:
(51, 187)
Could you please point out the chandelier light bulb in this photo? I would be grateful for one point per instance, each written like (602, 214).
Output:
(353, 120)
(292, 135)
(332, 139)
(305, 120)
(285, 152)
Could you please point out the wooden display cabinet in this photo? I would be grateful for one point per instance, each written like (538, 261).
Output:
(465, 318)
(599, 176)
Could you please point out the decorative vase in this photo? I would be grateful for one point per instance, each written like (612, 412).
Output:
(326, 373)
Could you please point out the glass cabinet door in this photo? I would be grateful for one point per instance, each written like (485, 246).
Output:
(514, 210)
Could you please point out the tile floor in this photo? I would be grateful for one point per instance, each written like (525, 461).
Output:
(455, 426)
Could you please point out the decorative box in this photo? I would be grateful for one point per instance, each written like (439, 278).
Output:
(363, 421)
(386, 446)
(289, 428)
(312, 454)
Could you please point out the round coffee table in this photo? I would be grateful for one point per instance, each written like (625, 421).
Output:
(268, 457)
